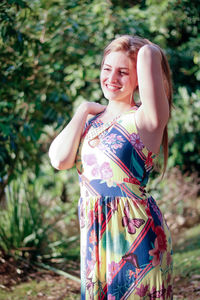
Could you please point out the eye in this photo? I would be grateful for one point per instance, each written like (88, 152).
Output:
(106, 69)
(123, 73)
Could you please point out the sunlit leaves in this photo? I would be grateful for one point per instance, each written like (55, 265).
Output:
(50, 61)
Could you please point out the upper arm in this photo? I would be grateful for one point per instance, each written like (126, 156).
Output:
(155, 108)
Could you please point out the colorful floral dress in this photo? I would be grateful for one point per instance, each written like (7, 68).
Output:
(126, 248)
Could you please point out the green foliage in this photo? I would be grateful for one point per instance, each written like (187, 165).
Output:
(22, 226)
(184, 131)
(186, 257)
(29, 228)
(177, 196)
(174, 26)
(50, 64)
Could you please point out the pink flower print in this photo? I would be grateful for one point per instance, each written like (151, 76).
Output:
(142, 290)
(112, 142)
(94, 253)
(90, 287)
(116, 146)
(169, 258)
(102, 147)
(90, 217)
(82, 216)
(136, 142)
(131, 273)
(111, 138)
(169, 291)
(158, 294)
(90, 159)
(155, 253)
(106, 171)
(112, 268)
(111, 297)
(93, 237)
(162, 292)
(95, 171)
(153, 293)
(161, 238)
(90, 265)
(120, 138)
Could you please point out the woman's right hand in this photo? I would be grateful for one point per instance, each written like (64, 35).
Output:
(64, 147)
(92, 108)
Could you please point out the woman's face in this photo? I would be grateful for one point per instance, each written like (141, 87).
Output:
(118, 77)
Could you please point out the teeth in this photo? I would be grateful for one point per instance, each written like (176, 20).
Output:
(110, 87)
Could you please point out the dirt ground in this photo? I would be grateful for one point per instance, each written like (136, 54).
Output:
(50, 286)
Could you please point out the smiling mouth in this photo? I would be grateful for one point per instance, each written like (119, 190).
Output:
(112, 87)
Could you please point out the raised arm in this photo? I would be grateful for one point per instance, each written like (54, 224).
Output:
(153, 114)
(155, 107)
(63, 149)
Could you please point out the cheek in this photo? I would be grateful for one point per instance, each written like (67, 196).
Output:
(127, 82)
(102, 77)
(101, 81)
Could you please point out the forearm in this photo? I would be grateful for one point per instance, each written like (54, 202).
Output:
(64, 147)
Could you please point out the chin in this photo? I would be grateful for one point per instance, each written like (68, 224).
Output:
(110, 96)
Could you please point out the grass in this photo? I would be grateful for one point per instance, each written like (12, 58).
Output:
(187, 253)
(45, 289)
(187, 265)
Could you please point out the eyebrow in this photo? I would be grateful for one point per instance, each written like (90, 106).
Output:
(119, 67)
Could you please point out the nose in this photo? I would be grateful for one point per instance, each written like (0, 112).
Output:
(112, 76)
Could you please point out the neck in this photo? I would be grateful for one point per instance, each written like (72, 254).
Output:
(116, 107)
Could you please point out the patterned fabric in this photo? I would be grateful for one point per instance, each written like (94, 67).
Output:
(126, 248)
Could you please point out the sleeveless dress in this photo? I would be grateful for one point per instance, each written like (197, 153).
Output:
(126, 250)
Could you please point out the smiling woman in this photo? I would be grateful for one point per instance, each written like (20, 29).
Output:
(126, 250)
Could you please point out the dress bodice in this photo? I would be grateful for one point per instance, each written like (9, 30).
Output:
(112, 160)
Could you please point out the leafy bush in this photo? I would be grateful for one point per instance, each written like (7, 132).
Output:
(184, 131)
(29, 228)
(177, 196)
(22, 228)
(50, 64)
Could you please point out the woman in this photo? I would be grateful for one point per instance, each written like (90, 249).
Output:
(125, 243)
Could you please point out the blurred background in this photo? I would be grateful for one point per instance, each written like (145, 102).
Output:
(50, 55)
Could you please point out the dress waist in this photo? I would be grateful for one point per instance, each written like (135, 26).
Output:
(103, 188)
